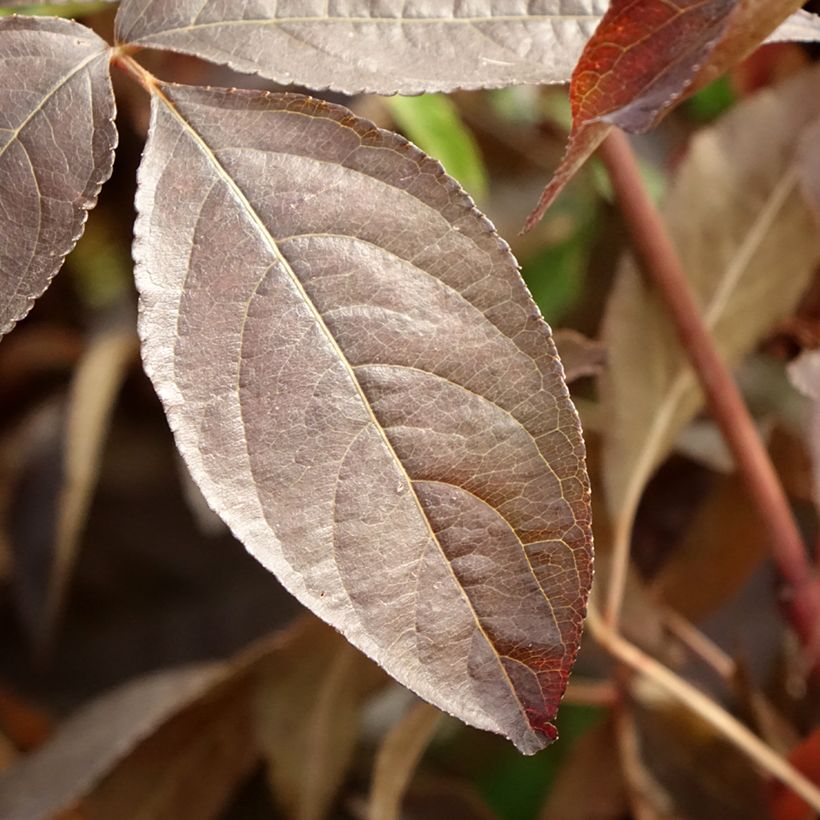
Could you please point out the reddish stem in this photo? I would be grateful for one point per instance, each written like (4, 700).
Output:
(660, 261)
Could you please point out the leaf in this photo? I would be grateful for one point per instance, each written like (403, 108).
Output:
(174, 743)
(571, 797)
(440, 45)
(644, 57)
(387, 48)
(91, 743)
(365, 392)
(57, 141)
(724, 544)
(58, 8)
(306, 713)
(801, 27)
(432, 122)
(189, 767)
(397, 759)
(810, 166)
(580, 356)
(93, 393)
(749, 250)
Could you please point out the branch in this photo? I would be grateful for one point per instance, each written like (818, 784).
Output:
(729, 727)
(661, 263)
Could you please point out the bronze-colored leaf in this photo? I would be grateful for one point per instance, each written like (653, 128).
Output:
(95, 740)
(366, 393)
(387, 47)
(357, 45)
(645, 57)
(397, 759)
(57, 141)
(307, 708)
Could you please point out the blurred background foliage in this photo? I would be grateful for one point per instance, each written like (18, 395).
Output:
(112, 567)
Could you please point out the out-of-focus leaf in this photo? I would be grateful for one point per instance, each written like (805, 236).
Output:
(397, 759)
(710, 102)
(646, 56)
(94, 741)
(57, 141)
(810, 166)
(25, 725)
(307, 704)
(555, 274)
(724, 544)
(784, 804)
(357, 45)
(753, 222)
(52, 477)
(67, 8)
(189, 767)
(804, 373)
(372, 365)
(579, 355)
(593, 759)
(173, 744)
(433, 123)
(91, 400)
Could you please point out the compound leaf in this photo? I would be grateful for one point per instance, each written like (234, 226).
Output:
(365, 391)
(57, 141)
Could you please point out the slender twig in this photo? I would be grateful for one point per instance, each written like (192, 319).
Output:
(661, 263)
(729, 727)
(699, 644)
(120, 57)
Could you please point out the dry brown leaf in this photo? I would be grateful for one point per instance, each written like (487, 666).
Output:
(307, 704)
(397, 759)
(92, 395)
(721, 548)
(96, 740)
(589, 785)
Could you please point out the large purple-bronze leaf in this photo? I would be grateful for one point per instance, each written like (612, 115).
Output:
(366, 393)
(373, 45)
(382, 46)
(57, 141)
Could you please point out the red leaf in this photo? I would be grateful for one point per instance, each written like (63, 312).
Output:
(784, 804)
(642, 57)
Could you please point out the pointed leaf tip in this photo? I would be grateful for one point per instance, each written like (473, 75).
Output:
(365, 391)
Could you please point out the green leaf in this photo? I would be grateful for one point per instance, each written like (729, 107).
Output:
(432, 122)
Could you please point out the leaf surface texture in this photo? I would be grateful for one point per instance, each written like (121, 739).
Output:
(57, 140)
(384, 47)
(364, 390)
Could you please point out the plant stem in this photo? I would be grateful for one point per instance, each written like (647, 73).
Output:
(729, 727)
(120, 57)
(661, 263)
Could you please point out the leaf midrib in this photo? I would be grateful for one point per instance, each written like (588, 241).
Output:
(269, 240)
